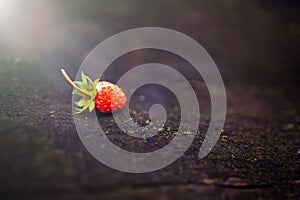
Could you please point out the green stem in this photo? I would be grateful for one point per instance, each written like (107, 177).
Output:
(73, 84)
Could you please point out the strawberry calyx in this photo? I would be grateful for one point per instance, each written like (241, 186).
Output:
(84, 88)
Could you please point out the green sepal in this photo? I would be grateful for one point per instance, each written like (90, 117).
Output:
(80, 110)
(82, 85)
(91, 107)
(78, 93)
(89, 86)
(81, 102)
(83, 78)
(94, 84)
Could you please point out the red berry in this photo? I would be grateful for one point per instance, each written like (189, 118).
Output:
(109, 97)
(104, 96)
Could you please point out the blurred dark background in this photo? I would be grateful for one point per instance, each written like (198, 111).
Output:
(253, 41)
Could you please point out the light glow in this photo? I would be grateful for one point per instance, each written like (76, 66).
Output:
(29, 26)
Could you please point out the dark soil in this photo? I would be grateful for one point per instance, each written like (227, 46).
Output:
(42, 157)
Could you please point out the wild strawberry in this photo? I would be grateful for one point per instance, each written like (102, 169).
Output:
(103, 95)
(109, 97)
